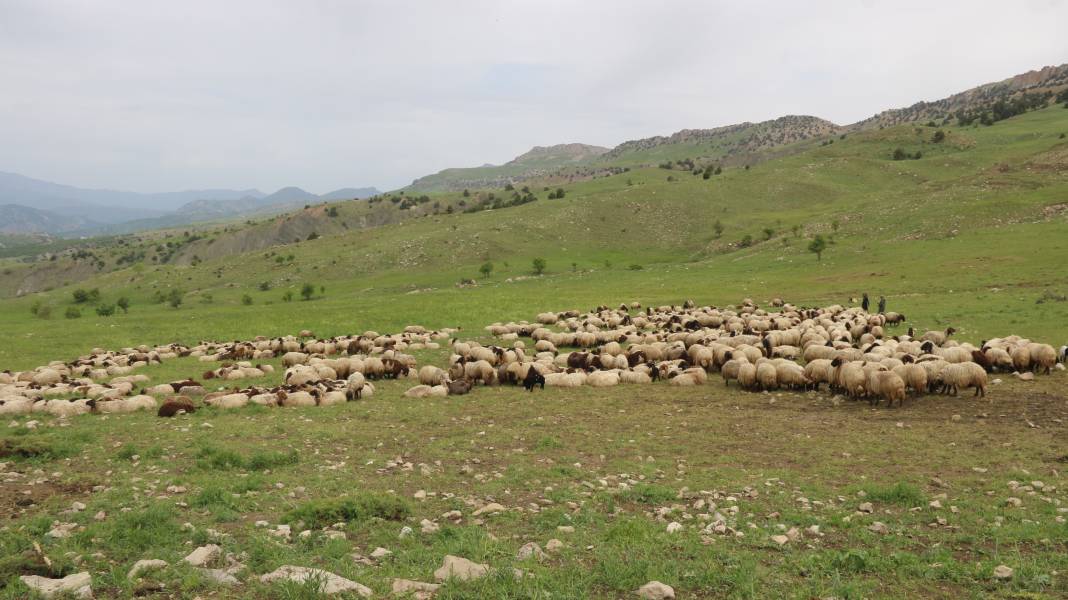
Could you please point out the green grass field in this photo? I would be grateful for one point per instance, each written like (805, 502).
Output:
(973, 235)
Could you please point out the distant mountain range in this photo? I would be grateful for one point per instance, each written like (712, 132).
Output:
(33, 206)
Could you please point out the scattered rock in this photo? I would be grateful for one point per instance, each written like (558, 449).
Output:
(879, 527)
(866, 507)
(489, 509)
(1014, 502)
(554, 545)
(405, 532)
(654, 590)
(145, 565)
(530, 549)
(77, 585)
(428, 526)
(674, 527)
(780, 539)
(460, 568)
(329, 583)
(417, 589)
(219, 577)
(380, 553)
(565, 529)
(203, 555)
(61, 530)
(1003, 572)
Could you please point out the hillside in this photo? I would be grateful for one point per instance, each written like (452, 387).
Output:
(1046, 81)
(538, 162)
(981, 217)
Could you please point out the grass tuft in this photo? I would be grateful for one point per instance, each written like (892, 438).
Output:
(362, 507)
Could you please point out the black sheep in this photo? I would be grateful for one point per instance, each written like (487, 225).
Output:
(532, 379)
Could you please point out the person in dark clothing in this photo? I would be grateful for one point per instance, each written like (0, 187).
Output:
(882, 304)
(864, 302)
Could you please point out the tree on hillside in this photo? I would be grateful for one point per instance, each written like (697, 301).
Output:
(539, 265)
(768, 233)
(486, 269)
(717, 228)
(817, 246)
(939, 136)
(306, 291)
(175, 298)
(124, 304)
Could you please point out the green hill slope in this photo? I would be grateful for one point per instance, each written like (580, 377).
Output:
(973, 233)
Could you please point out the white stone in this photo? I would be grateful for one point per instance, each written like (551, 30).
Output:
(380, 552)
(417, 589)
(329, 583)
(460, 568)
(1003, 572)
(528, 550)
(145, 565)
(219, 576)
(203, 555)
(489, 509)
(654, 590)
(77, 585)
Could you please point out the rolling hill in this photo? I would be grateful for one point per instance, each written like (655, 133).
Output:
(950, 221)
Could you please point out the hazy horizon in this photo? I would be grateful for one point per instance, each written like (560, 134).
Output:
(156, 97)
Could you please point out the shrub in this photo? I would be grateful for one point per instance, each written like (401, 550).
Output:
(264, 286)
(287, 297)
(246, 300)
(635, 267)
(817, 246)
(538, 265)
(44, 312)
(80, 296)
(486, 269)
(174, 298)
(939, 136)
(72, 313)
(746, 241)
(900, 154)
(123, 303)
(307, 291)
(105, 310)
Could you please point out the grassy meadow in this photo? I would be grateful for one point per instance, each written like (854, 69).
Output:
(972, 235)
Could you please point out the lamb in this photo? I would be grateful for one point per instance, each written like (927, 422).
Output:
(431, 375)
(235, 400)
(1043, 357)
(938, 337)
(176, 405)
(67, 408)
(533, 378)
(747, 375)
(914, 376)
(458, 387)
(964, 375)
(819, 371)
(426, 391)
(574, 379)
(480, 370)
(767, 376)
(298, 398)
(354, 386)
(603, 378)
(888, 385)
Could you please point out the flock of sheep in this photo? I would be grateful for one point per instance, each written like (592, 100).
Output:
(848, 349)
(844, 348)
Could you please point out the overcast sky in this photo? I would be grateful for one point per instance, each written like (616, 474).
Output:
(159, 96)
